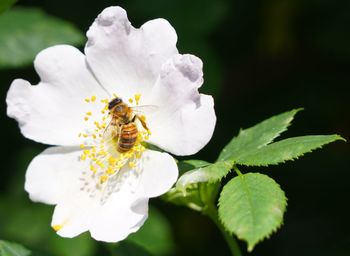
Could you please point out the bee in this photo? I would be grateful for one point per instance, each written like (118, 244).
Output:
(123, 123)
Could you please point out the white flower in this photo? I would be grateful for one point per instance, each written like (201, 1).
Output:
(94, 187)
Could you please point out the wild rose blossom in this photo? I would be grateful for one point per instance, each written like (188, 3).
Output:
(94, 187)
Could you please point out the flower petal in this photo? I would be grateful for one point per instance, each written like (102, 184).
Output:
(186, 119)
(126, 210)
(52, 112)
(53, 174)
(159, 173)
(120, 216)
(124, 59)
(72, 216)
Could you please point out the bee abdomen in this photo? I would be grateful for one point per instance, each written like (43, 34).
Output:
(128, 136)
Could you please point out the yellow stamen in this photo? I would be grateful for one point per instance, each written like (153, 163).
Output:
(103, 158)
(132, 164)
(103, 179)
(92, 168)
(110, 171)
(137, 98)
(56, 227)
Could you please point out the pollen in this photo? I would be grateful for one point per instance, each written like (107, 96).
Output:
(57, 227)
(103, 179)
(103, 158)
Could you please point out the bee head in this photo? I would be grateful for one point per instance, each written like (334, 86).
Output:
(114, 102)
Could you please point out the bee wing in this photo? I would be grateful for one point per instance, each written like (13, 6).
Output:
(145, 109)
(111, 131)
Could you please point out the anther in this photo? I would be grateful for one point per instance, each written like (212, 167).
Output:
(137, 98)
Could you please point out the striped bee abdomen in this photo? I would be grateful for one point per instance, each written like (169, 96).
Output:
(127, 138)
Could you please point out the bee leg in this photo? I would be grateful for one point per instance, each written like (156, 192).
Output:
(142, 122)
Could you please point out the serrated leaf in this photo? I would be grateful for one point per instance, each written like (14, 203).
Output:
(257, 136)
(155, 235)
(5, 4)
(210, 173)
(26, 31)
(252, 206)
(284, 150)
(187, 165)
(12, 249)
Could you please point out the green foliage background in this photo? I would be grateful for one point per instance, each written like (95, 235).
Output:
(260, 58)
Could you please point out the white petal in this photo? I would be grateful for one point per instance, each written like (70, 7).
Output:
(53, 174)
(126, 210)
(124, 59)
(159, 173)
(119, 217)
(72, 216)
(186, 119)
(52, 112)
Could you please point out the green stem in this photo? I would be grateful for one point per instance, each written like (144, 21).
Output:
(212, 213)
(235, 168)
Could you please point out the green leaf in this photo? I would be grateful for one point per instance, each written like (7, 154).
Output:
(155, 235)
(210, 173)
(252, 206)
(284, 150)
(12, 249)
(187, 165)
(257, 136)
(26, 31)
(5, 4)
(190, 198)
(193, 194)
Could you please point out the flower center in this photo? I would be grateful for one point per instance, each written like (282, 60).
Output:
(102, 147)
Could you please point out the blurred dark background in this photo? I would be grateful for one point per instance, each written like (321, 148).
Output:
(260, 58)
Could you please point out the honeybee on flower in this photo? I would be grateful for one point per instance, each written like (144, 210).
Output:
(99, 177)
